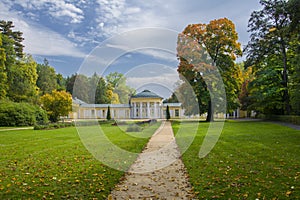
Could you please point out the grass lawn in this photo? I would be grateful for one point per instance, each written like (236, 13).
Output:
(55, 164)
(252, 160)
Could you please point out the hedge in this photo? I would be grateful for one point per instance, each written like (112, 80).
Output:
(294, 119)
(21, 114)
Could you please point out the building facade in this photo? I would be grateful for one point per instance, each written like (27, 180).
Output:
(144, 105)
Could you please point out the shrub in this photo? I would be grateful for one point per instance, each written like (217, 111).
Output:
(21, 114)
(53, 126)
(133, 128)
(294, 119)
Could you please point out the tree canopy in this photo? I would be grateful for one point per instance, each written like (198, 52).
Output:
(219, 40)
(272, 52)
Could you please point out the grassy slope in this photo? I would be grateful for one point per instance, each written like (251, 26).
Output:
(54, 164)
(251, 160)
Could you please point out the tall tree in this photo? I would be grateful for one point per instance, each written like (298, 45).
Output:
(6, 28)
(3, 74)
(22, 79)
(108, 116)
(61, 82)
(270, 36)
(78, 86)
(117, 81)
(101, 96)
(219, 38)
(46, 81)
(168, 116)
(265, 90)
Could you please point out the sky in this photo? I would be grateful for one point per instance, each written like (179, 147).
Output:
(68, 33)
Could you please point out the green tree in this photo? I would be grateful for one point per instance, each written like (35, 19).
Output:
(117, 81)
(270, 36)
(108, 115)
(78, 86)
(294, 85)
(57, 104)
(61, 82)
(265, 90)
(22, 79)
(3, 74)
(6, 28)
(47, 78)
(219, 38)
(168, 116)
(101, 96)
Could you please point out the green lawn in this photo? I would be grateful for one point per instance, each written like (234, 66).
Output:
(252, 160)
(55, 164)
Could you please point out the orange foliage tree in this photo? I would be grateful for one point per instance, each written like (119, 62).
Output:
(215, 43)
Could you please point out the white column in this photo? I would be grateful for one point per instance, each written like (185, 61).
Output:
(134, 110)
(141, 110)
(148, 109)
(155, 111)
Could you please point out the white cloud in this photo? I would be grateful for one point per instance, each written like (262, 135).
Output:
(158, 43)
(40, 40)
(55, 8)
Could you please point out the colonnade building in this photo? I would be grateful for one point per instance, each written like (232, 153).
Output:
(144, 105)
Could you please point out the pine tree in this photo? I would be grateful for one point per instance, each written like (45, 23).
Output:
(168, 113)
(108, 116)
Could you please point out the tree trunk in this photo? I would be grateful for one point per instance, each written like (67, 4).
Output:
(286, 98)
(210, 112)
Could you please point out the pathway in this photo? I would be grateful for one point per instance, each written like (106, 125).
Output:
(16, 128)
(158, 172)
(290, 125)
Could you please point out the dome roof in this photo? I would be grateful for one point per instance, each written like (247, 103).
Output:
(146, 94)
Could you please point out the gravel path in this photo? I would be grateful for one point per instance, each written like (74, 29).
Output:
(158, 172)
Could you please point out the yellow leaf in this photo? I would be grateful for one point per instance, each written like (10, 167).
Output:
(288, 193)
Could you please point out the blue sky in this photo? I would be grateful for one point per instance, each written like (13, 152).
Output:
(67, 31)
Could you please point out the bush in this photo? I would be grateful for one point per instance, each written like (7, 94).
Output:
(133, 128)
(53, 126)
(294, 119)
(21, 114)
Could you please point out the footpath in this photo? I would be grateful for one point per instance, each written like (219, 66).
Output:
(16, 128)
(158, 172)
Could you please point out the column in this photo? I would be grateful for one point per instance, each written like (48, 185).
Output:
(155, 111)
(134, 110)
(141, 110)
(148, 110)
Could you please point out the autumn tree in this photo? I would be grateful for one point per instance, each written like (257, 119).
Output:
(57, 104)
(219, 39)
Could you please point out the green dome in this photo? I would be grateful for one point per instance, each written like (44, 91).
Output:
(146, 94)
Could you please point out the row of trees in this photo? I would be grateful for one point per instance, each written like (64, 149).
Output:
(98, 89)
(23, 80)
(26, 86)
(269, 80)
